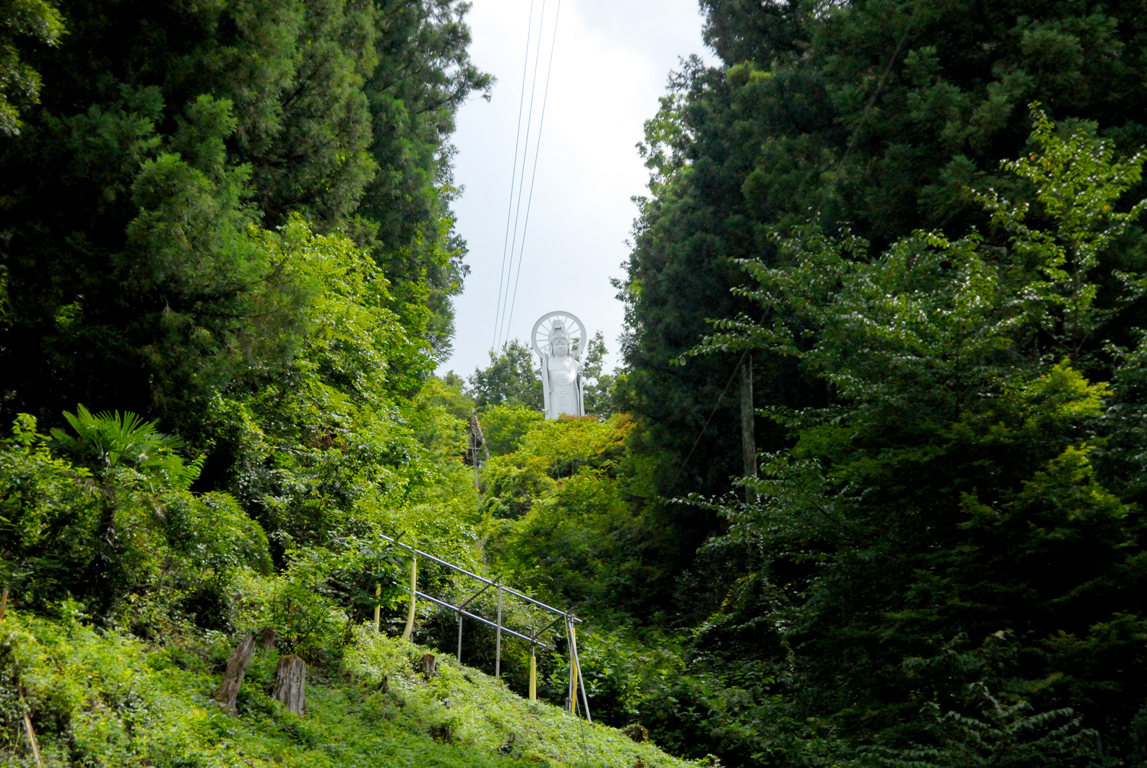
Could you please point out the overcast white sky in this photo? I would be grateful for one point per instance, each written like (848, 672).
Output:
(610, 65)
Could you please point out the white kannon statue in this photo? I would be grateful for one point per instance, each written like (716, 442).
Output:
(558, 339)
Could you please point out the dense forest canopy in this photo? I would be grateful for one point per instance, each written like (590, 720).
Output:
(941, 564)
(875, 116)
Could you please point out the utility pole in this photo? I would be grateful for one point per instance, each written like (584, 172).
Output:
(477, 440)
(748, 436)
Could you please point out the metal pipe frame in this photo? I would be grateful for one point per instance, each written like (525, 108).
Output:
(547, 627)
(581, 681)
(498, 641)
(467, 614)
(475, 596)
(482, 579)
(469, 600)
(566, 616)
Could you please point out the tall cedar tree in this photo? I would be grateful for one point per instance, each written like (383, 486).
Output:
(166, 131)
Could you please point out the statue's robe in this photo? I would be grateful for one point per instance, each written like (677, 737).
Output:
(564, 390)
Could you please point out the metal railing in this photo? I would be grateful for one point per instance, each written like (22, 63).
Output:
(576, 681)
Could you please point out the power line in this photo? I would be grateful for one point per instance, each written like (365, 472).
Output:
(720, 397)
(514, 172)
(534, 172)
(522, 178)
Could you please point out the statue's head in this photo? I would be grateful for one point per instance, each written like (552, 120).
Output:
(559, 340)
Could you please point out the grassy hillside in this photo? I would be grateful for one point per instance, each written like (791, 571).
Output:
(109, 699)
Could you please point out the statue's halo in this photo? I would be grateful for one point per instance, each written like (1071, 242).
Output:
(540, 337)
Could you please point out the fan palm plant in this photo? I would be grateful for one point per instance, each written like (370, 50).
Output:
(124, 453)
(107, 440)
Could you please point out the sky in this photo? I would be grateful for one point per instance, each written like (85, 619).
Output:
(611, 60)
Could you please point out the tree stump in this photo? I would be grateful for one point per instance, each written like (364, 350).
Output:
(429, 666)
(637, 732)
(237, 666)
(290, 684)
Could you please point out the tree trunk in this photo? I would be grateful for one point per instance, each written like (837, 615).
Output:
(290, 684)
(237, 667)
(748, 436)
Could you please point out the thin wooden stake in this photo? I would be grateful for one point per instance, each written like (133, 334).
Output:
(28, 719)
(377, 607)
(459, 635)
(3, 602)
(32, 739)
(580, 676)
(533, 672)
(406, 633)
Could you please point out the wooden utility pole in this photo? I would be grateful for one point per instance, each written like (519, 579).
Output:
(477, 440)
(748, 436)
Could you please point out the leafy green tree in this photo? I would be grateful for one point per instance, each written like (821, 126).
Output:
(510, 379)
(19, 82)
(132, 273)
(599, 385)
(872, 115)
(423, 77)
(504, 426)
(953, 491)
(106, 513)
(318, 445)
(561, 517)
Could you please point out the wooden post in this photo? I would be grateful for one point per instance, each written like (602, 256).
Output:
(477, 440)
(290, 684)
(474, 447)
(409, 631)
(748, 436)
(377, 607)
(32, 738)
(3, 602)
(27, 717)
(237, 666)
(459, 635)
(533, 672)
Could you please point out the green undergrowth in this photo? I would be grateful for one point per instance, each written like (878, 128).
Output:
(109, 699)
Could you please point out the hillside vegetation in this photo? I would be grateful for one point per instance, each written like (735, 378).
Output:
(905, 237)
(108, 699)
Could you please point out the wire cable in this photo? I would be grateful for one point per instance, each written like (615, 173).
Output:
(522, 178)
(720, 397)
(534, 172)
(514, 175)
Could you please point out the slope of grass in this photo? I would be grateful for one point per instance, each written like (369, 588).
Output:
(109, 699)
